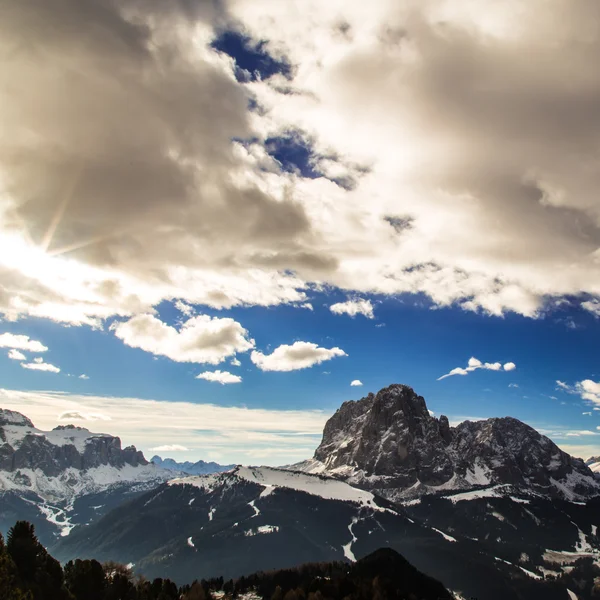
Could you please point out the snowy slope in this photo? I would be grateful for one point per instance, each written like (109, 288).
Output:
(272, 479)
(593, 464)
(74, 482)
(15, 435)
(43, 473)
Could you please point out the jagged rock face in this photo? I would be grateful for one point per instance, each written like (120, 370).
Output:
(390, 443)
(513, 452)
(390, 435)
(25, 447)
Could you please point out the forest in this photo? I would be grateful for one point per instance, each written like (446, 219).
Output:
(29, 572)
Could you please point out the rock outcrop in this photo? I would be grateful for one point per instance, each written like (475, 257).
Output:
(390, 443)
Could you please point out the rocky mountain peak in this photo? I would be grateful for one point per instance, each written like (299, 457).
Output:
(23, 446)
(12, 417)
(70, 426)
(390, 442)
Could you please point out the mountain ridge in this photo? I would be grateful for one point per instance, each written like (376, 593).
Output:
(389, 443)
(65, 476)
(199, 467)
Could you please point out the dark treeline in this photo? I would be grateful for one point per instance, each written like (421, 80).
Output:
(29, 572)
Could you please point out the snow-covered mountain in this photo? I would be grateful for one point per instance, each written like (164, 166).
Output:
(593, 464)
(390, 443)
(191, 468)
(49, 476)
(260, 518)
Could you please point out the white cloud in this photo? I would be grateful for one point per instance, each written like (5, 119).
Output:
(21, 342)
(563, 386)
(170, 448)
(222, 377)
(200, 339)
(588, 390)
(234, 362)
(592, 306)
(513, 385)
(16, 355)
(581, 433)
(353, 308)
(474, 364)
(184, 309)
(300, 355)
(356, 382)
(589, 414)
(83, 376)
(238, 434)
(434, 82)
(307, 305)
(75, 415)
(38, 364)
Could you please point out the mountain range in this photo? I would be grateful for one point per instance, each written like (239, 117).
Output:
(191, 468)
(486, 505)
(390, 443)
(261, 518)
(67, 476)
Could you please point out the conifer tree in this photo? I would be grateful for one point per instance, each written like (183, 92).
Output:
(9, 589)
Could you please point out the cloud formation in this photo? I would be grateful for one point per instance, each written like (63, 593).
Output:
(588, 390)
(170, 448)
(300, 355)
(75, 415)
(353, 308)
(356, 383)
(200, 339)
(222, 377)
(474, 364)
(16, 355)
(38, 364)
(152, 179)
(21, 342)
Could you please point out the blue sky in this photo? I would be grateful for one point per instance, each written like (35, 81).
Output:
(407, 341)
(325, 193)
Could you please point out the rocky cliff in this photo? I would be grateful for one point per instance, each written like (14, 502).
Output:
(390, 443)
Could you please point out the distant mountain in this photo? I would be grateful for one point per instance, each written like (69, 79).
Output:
(594, 464)
(69, 475)
(259, 518)
(389, 443)
(191, 468)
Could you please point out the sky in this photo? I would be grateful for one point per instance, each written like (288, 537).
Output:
(221, 219)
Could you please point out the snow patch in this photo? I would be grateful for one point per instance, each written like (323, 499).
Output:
(347, 548)
(261, 530)
(479, 475)
(72, 482)
(329, 489)
(190, 543)
(447, 537)
(496, 491)
(56, 516)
